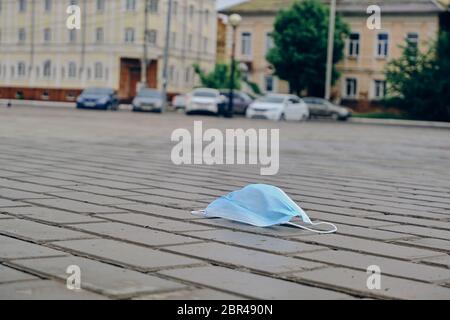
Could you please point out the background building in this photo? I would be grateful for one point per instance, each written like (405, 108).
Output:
(367, 51)
(41, 59)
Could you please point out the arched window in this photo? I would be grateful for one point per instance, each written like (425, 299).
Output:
(47, 69)
(21, 69)
(72, 73)
(98, 70)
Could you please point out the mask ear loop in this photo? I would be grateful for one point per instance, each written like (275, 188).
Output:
(315, 224)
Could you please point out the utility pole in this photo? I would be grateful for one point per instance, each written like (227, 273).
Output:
(33, 27)
(83, 39)
(166, 53)
(144, 79)
(330, 50)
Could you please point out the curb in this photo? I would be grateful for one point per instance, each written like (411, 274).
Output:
(405, 123)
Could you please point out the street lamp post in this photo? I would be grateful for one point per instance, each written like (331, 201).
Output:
(235, 20)
(331, 29)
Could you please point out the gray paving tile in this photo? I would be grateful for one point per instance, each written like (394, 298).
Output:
(101, 277)
(8, 274)
(252, 285)
(13, 249)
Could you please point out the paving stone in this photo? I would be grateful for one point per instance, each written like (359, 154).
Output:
(4, 203)
(43, 290)
(135, 234)
(372, 247)
(101, 277)
(354, 221)
(252, 285)
(420, 231)
(52, 215)
(369, 233)
(127, 254)
(72, 205)
(356, 282)
(240, 257)
(30, 187)
(100, 190)
(169, 202)
(194, 294)
(255, 241)
(155, 222)
(388, 266)
(47, 181)
(430, 243)
(8, 274)
(14, 249)
(20, 195)
(441, 261)
(160, 211)
(38, 231)
(176, 194)
(92, 198)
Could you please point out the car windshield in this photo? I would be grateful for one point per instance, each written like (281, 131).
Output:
(204, 94)
(271, 99)
(98, 91)
(149, 93)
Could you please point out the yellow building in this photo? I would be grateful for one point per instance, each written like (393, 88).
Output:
(40, 58)
(367, 51)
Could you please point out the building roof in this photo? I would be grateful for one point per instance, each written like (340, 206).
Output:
(343, 6)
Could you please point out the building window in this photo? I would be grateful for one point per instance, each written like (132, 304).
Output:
(153, 6)
(73, 2)
(382, 45)
(246, 44)
(98, 70)
(47, 5)
(21, 70)
(187, 75)
(191, 12)
(22, 5)
(351, 87)
(174, 39)
(99, 35)
(207, 16)
(380, 89)
(47, 35)
(72, 36)
(412, 39)
(129, 35)
(47, 69)
(175, 8)
(152, 37)
(72, 70)
(189, 42)
(269, 42)
(205, 44)
(100, 5)
(269, 83)
(353, 45)
(22, 35)
(130, 5)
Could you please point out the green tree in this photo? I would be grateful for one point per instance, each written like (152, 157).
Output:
(300, 52)
(219, 78)
(419, 82)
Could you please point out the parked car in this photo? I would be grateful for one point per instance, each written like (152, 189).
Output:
(148, 100)
(241, 100)
(98, 98)
(323, 108)
(279, 107)
(179, 101)
(205, 100)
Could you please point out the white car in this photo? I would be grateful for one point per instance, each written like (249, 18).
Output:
(205, 100)
(279, 107)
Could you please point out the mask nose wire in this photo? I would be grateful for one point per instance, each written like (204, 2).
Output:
(199, 213)
(315, 224)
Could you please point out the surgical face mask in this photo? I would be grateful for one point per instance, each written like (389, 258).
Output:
(260, 205)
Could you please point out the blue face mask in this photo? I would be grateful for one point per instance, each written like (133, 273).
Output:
(260, 205)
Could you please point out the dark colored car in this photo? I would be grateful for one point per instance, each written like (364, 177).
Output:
(241, 100)
(148, 100)
(98, 98)
(319, 107)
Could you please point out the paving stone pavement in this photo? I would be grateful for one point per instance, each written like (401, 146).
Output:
(98, 190)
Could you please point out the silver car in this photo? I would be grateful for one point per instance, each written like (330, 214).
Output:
(319, 107)
(149, 100)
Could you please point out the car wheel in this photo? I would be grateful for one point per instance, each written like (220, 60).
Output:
(282, 117)
(335, 116)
